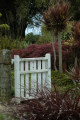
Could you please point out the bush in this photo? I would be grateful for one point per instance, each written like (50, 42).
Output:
(60, 79)
(50, 106)
(40, 51)
(8, 43)
(76, 37)
(63, 81)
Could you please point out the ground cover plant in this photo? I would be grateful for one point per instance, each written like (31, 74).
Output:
(50, 106)
(5, 117)
(1, 117)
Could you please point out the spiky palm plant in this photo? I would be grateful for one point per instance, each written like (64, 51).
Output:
(75, 74)
(55, 19)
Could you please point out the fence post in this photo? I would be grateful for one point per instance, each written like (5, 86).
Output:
(17, 77)
(48, 56)
(5, 75)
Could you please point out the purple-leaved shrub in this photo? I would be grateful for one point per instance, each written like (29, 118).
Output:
(40, 51)
(50, 106)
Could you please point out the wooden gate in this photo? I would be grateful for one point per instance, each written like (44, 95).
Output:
(31, 75)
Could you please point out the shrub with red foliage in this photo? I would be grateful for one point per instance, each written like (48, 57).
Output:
(50, 106)
(40, 51)
(76, 31)
(76, 36)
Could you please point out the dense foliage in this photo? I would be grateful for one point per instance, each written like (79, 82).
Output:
(4, 28)
(30, 38)
(41, 50)
(9, 43)
(61, 79)
(18, 14)
(76, 36)
(75, 9)
(56, 17)
(51, 106)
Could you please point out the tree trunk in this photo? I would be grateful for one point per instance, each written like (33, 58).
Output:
(18, 31)
(76, 62)
(60, 52)
(54, 52)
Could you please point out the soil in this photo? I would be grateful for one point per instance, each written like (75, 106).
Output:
(7, 110)
(4, 109)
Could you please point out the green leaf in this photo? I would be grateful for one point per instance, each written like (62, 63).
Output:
(4, 26)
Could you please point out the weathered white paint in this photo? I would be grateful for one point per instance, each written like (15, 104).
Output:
(22, 79)
(26, 80)
(49, 71)
(43, 74)
(17, 76)
(31, 75)
(39, 75)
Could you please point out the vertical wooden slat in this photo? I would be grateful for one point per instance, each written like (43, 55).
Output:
(46, 79)
(22, 79)
(48, 56)
(39, 76)
(33, 77)
(31, 67)
(43, 74)
(27, 80)
(17, 77)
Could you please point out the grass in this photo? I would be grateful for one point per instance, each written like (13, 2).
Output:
(6, 117)
(1, 117)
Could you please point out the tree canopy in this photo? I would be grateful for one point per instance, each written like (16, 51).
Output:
(18, 13)
(75, 9)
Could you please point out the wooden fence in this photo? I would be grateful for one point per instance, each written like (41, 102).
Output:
(31, 75)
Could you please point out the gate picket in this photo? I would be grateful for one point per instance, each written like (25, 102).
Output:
(22, 79)
(39, 76)
(27, 80)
